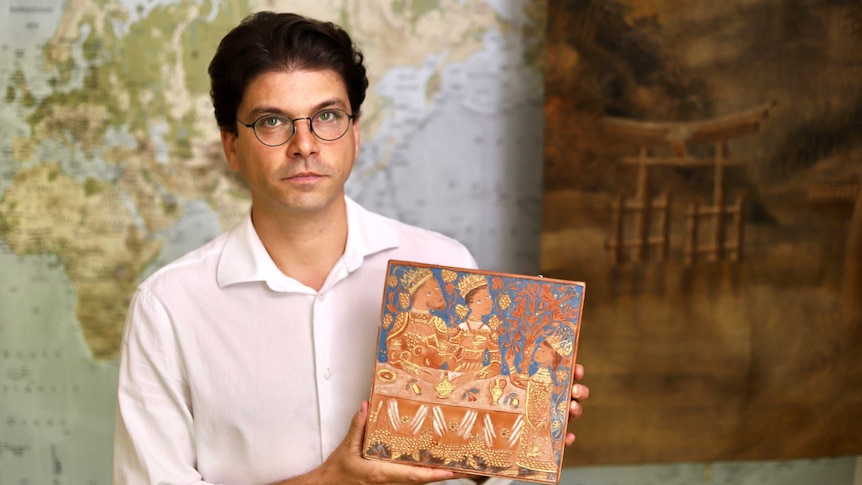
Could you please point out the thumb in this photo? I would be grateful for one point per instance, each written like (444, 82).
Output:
(353, 440)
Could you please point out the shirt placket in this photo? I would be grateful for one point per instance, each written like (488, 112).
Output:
(324, 324)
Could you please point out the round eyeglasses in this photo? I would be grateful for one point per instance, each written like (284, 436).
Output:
(274, 130)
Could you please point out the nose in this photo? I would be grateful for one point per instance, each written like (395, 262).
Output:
(303, 142)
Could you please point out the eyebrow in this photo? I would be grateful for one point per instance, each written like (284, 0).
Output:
(259, 111)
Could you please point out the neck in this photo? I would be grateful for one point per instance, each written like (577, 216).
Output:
(304, 245)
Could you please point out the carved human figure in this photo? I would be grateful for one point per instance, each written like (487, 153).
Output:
(475, 344)
(418, 338)
(535, 446)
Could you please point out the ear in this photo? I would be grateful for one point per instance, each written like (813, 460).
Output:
(228, 143)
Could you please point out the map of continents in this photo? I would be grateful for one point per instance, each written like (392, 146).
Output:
(111, 166)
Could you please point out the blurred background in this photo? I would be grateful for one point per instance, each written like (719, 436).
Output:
(515, 134)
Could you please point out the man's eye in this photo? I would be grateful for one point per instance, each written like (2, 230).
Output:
(270, 122)
(327, 116)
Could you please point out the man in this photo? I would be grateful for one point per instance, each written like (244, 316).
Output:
(246, 360)
(418, 338)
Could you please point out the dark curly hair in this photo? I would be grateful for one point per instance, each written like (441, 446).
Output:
(268, 42)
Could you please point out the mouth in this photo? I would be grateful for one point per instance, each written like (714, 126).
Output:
(304, 177)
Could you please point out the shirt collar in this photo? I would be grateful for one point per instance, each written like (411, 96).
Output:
(245, 259)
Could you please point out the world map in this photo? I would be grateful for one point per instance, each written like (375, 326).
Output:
(111, 166)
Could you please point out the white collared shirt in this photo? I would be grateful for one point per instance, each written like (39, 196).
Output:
(232, 372)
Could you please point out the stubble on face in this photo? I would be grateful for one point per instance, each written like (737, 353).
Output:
(306, 175)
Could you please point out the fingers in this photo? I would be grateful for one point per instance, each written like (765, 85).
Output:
(357, 428)
(580, 392)
(346, 464)
(575, 409)
(398, 473)
(374, 471)
(579, 372)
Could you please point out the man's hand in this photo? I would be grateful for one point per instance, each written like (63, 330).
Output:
(580, 392)
(347, 466)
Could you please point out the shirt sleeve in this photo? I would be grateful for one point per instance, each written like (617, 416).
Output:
(153, 434)
(471, 261)
(466, 258)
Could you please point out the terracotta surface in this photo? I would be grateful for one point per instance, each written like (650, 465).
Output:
(474, 371)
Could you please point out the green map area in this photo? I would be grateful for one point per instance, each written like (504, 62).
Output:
(111, 166)
(125, 135)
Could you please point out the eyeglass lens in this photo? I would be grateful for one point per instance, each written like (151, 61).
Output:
(328, 125)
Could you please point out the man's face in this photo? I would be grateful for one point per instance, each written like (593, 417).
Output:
(306, 174)
(430, 295)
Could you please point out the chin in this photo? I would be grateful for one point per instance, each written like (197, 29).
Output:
(310, 203)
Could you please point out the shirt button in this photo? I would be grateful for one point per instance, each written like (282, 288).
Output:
(327, 374)
(321, 297)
